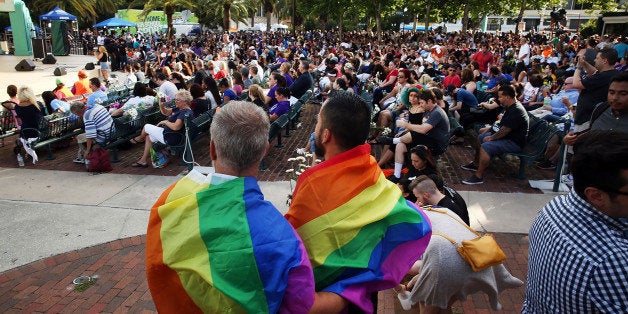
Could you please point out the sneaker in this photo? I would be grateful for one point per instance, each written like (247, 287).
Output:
(78, 160)
(546, 165)
(473, 180)
(567, 179)
(392, 178)
(470, 167)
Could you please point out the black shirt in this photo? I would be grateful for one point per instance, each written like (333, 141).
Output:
(516, 118)
(595, 91)
(447, 202)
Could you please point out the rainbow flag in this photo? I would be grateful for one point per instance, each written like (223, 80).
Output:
(215, 245)
(361, 235)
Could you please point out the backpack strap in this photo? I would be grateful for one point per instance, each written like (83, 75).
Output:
(598, 111)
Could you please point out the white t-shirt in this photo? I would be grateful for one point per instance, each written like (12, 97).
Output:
(524, 50)
(168, 88)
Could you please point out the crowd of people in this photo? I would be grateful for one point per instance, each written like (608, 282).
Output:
(429, 89)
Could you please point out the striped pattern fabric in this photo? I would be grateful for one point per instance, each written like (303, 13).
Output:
(361, 235)
(97, 118)
(578, 260)
(220, 248)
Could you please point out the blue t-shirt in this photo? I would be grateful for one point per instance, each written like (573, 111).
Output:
(95, 97)
(229, 93)
(467, 99)
(280, 108)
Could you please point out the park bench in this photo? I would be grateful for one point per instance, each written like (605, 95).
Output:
(124, 129)
(8, 127)
(539, 134)
(276, 127)
(195, 128)
(54, 129)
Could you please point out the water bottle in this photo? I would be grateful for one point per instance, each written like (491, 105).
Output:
(87, 163)
(20, 160)
(546, 101)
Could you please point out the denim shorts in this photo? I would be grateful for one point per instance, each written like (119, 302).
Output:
(104, 65)
(498, 147)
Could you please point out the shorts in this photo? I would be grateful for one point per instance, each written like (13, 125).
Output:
(104, 65)
(155, 133)
(498, 147)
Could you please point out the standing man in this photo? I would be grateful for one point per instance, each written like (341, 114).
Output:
(523, 58)
(578, 258)
(361, 235)
(508, 136)
(214, 244)
(484, 58)
(594, 87)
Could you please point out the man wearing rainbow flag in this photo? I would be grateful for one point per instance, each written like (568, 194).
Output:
(361, 235)
(214, 245)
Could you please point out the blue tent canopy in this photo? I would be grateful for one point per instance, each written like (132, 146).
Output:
(8, 29)
(57, 15)
(115, 22)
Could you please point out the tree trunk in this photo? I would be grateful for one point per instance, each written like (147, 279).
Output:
(465, 17)
(294, 17)
(369, 27)
(378, 21)
(252, 19)
(226, 8)
(520, 16)
(340, 24)
(415, 20)
(428, 7)
(268, 11)
(169, 11)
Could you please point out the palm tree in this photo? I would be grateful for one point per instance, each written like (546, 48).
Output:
(168, 6)
(83, 9)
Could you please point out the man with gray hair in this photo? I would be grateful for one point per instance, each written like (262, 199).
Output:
(214, 244)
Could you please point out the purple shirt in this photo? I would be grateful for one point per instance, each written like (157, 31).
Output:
(280, 108)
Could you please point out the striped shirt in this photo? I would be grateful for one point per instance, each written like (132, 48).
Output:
(97, 123)
(578, 260)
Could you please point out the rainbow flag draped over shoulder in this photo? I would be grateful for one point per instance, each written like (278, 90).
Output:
(361, 235)
(214, 245)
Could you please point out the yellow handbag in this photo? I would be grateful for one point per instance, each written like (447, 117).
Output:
(481, 252)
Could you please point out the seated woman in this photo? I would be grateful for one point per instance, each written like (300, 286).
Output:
(29, 112)
(211, 91)
(256, 96)
(394, 102)
(141, 97)
(414, 116)
(227, 93)
(283, 103)
(443, 277)
(199, 103)
(163, 131)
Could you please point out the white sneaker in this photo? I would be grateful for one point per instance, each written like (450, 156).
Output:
(567, 179)
(78, 160)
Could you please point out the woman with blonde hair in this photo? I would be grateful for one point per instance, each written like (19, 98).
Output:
(28, 111)
(284, 68)
(103, 58)
(256, 96)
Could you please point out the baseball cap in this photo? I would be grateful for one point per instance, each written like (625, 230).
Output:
(59, 82)
(82, 73)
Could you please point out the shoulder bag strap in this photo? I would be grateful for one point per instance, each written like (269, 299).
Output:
(443, 211)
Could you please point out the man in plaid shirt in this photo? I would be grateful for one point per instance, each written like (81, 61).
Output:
(578, 260)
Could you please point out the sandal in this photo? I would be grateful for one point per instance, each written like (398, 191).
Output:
(134, 141)
(138, 165)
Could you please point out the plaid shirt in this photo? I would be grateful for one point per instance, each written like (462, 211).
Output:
(578, 261)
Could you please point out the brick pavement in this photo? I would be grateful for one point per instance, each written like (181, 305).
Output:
(46, 285)
(499, 177)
